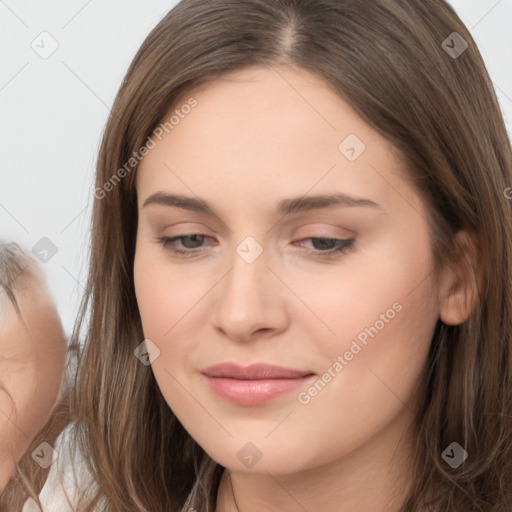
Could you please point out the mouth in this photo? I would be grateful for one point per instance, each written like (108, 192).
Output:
(255, 384)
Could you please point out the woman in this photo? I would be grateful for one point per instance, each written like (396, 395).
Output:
(300, 281)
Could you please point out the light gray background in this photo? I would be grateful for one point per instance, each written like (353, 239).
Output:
(53, 112)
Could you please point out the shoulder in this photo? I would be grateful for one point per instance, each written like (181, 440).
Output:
(67, 480)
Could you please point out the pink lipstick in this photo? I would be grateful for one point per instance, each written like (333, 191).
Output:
(255, 384)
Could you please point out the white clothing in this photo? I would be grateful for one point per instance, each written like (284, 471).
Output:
(68, 475)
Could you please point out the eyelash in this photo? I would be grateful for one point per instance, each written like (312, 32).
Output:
(343, 246)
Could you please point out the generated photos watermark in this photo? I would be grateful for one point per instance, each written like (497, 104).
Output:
(137, 156)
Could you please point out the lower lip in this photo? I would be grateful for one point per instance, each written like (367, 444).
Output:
(254, 392)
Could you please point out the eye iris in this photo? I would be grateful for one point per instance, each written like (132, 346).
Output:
(197, 238)
(323, 241)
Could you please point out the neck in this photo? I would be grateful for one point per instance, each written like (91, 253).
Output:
(376, 476)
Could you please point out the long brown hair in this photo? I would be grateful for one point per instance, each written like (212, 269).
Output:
(387, 59)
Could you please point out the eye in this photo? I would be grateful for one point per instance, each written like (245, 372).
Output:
(167, 243)
(334, 247)
(193, 244)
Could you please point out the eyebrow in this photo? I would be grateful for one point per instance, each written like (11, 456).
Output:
(284, 207)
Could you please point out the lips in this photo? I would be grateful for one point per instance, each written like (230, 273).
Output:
(253, 372)
(255, 384)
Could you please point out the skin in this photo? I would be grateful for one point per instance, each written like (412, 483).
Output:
(32, 356)
(252, 141)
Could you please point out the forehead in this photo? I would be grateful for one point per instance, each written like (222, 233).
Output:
(264, 129)
(33, 299)
(291, 104)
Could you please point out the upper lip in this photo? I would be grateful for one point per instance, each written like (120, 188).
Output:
(257, 371)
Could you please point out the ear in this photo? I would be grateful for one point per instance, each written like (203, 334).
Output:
(458, 287)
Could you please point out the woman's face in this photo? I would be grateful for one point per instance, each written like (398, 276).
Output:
(261, 282)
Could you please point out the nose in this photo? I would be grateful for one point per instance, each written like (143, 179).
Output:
(250, 301)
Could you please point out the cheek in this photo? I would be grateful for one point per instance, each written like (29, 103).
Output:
(165, 293)
(382, 318)
(383, 333)
(381, 292)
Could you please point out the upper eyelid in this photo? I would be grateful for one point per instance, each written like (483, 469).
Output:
(316, 236)
(317, 227)
(176, 238)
